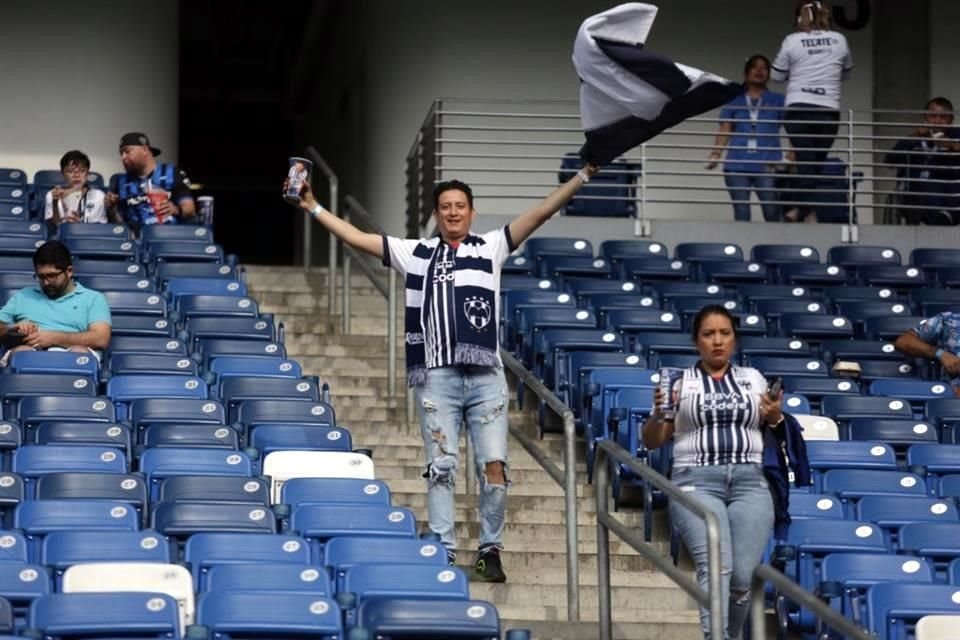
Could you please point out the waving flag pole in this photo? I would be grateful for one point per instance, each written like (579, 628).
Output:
(629, 94)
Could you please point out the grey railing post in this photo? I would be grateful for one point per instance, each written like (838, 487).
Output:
(332, 257)
(600, 484)
(392, 333)
(332, 206)
(570, 495)
(850, 164)
(345, 286)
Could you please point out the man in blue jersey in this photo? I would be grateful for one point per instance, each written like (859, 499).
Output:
(58, 314)
(149, 192)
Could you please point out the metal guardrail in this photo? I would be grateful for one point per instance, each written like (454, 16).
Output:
(510, 152)
(789, 588)
(388, 289)
(610, 451)
(566, 478)
(334, 186)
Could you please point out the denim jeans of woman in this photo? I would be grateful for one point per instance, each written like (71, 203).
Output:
(450, 397)
(740, 498)
(741, 184)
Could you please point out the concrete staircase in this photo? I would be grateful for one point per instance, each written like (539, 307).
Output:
(645, 603)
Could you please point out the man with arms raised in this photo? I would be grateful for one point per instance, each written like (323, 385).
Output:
(453, 364)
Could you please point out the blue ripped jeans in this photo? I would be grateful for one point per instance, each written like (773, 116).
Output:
(450, 397)
(740, 498)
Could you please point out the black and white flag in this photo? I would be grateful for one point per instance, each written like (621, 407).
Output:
(629, 94)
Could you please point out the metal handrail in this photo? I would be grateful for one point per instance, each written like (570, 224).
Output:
(606, 451)
(765, 573)
(388, 290)
(334, 185)
(567, 478)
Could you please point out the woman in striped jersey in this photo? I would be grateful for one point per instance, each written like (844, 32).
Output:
(717, 459)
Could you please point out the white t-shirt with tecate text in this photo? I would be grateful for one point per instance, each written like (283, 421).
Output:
(814, 64)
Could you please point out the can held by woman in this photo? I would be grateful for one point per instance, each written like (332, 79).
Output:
(297, 176)
(669, 376)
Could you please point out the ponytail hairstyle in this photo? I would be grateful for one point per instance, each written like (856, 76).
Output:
(813, 15)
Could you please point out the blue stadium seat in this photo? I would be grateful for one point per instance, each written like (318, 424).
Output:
(35, 409)
(773, 309)
(102, 282)
(22, 583)
(139, 364)
(192, 286)
(813, 274)
(859, 311)
(510, 301)
(197, 306)
(63, 549)
(343, 553)
(929, 259)
(27, 385)
(632, 320)
(422, 582)
(11, 437)
(273, 578)
(14, 547)
(253, 413)
(949, 486)
(512, 283)
(927, 302)
(753, 346)
(68, 232)
(236, 389)
(37, 518)
(180, 520)
(103, 248)
(268, 438)
(12, 493)
(932, 459)
(853, 484)
(73, 364)
(320, 522)
(179, 251)
(47, 178)
(18, 246)
(549, 344)
(707, 251)
(228, 366)
(604, 302)
(892, 512)
(13, 211)
(191, 435)
(843, 408)
(541, 246)
(689, 306)
(838, 295)
(655, 270)
(16, 194)
(796, 404)
(16, 264)
(938, 542)
(657, 342)
(142, 327)
(209, 348)
(17, 280)
(301, 491)
(402, 618)
(161, 463)
(13, 177)
(814, 326)
(573, 366)
(517, 265)
(176, 411)
(898, 433)
(619, 250)
(856, 255)
(23, 229)
(270, 615)
(562, 266)
(780, 254)
(231, 328)
(946, 277)
(815, 505)
(533, 320)
(136, 303)
(219, 489)
(31, 461)
(889, 328)
(859, 350)
(735, 272)
(127, 388)
(825, 455)
(176, 233)
(676, 360)
(163, 271)
(913, 390)
(668, 290)
(118, 487)
(902, 278)
(878, 369)
(892, 608)
(127, 615)
(771, 366)
(203, 551)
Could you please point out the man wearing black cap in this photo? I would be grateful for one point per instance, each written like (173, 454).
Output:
(149, 192)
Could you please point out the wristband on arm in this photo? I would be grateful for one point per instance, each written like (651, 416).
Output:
(317, 210)
(938, 353)
(583, 176)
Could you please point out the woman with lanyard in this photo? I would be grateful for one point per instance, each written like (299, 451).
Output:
(721, 410)
(814, 61)
(749, 131)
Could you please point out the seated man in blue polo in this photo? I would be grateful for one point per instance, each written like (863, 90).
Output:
(58, 314)
(936, 338)
(148, 192)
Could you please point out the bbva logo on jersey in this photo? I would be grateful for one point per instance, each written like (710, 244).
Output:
(478, 312)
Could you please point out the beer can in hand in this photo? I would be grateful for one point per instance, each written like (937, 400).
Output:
(669, 376)
(297, 176)
(205, 210)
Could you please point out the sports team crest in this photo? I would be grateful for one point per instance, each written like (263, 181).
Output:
(478, 312)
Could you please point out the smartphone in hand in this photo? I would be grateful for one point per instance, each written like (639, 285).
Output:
(774, 389)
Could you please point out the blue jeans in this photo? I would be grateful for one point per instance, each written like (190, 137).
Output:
(451, 396)
(738, 495)
(740, 184)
